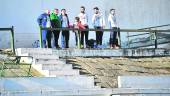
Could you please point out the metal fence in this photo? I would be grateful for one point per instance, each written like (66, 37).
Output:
(148, 37)
(141, 31)
(155, 32)
(11, 30)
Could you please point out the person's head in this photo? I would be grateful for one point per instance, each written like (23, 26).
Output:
(56, 11)
(47, 11)
(96, 10)
(77, 19)
(82, 9)
(113, 11)
(63, 11)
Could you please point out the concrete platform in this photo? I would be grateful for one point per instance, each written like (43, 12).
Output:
(144, 82)
(95, 52)
(42, 51)
(79, 92)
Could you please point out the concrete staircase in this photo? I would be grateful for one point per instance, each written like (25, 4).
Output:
(58, 76)
(60, 79)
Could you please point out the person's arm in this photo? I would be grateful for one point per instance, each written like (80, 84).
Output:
(86, 20)
(110, 21)
(68, 21)
(81, 26)
(93, 20)
(39, 20)
(116, 22)
(103, 22)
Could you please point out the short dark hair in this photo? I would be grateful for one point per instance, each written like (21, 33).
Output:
(56, 9)
(82, 7)
(96, 8)
(77, 18)
(63, 9)
(112, 9)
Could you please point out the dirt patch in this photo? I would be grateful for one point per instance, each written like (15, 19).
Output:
(106, 70)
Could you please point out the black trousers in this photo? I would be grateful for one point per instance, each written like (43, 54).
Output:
(77, 36)
(55, 32)
(48, 36)
(99, 36)
(66, 36)
(114, 36)
(84, 34)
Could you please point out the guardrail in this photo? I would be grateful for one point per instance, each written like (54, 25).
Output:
(11, 30)
(107, 30)
(14, 61)
(147, 28)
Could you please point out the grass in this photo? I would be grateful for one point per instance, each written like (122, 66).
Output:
(20, 70)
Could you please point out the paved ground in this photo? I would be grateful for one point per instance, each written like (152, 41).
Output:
(106, 70)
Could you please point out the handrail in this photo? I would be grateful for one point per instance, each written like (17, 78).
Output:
(148, 28)
(107, 30)
(90, 29)
(155, 26)
(11, 29)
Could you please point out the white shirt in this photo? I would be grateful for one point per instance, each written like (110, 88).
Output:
(98, 20)
(112, 20)
(83, 18)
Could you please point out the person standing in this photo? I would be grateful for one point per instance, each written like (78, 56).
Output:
(98, 23)
(77, 25)
(84, 21)
(55, 23)
(115, 34)
(44, 21)
(65, 33)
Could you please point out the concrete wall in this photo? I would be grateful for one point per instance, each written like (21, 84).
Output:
(130, 14)
(140, 13)
(23, 15)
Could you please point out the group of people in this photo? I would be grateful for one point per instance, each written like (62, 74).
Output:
(52, 19)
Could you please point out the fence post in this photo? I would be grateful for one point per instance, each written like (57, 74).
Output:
(12, 40)
(128, 40)
(41, 45)
(156, 42)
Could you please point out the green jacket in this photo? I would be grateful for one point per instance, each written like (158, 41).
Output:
(54, 17)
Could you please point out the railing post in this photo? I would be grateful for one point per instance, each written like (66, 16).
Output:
(128, 40)
(40, 38)
(119, 37)
(156, 42)
(12, 40)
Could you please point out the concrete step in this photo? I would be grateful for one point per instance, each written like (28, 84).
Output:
(47, 61)
(64, 72)
(44, 83)
(53, 70)
(50, 57)
(23, 51)
(144, 81)
(56, 66)
(73, 92)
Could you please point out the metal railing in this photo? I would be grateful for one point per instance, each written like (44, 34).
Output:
(11, 30)
(153, 35)
(14, 62)
(106, 30)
